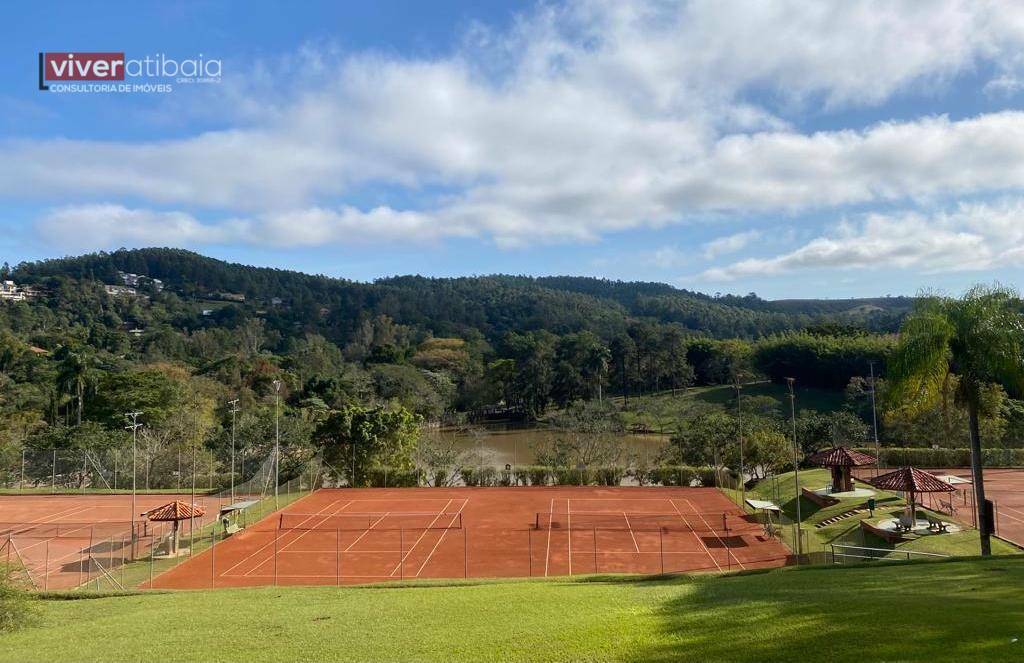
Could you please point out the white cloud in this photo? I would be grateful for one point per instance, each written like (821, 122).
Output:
(729, 244)
(583, 120)
(92, 227)
(971, 237)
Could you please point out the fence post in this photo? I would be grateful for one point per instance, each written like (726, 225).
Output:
(213, 558)
(661, 547)
(465, 553)
(152, 553)
(46, 567)
(595, 550)
(401, 553)
(21, 485)
(337, 556)
(53, 472)
(529, 551)
(275, 559)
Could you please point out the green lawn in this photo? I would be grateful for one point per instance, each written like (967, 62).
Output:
(663, 411)
(941, 611)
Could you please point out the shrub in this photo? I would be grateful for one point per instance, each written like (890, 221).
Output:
(925, 457)
(15, 605)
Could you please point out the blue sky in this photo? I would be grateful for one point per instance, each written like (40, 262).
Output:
(826, 150)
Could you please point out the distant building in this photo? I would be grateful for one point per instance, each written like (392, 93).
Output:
(9, 291)
(275, 301)
(135, 280)
(232, 296)
(207, 311)
(119, 291)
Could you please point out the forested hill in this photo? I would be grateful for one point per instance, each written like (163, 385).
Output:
(488, 305)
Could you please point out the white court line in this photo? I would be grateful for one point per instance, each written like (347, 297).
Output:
(696, 536)
(713, 531)
(276, 537)
(547, 555)
(331, 514)
(423, 534)
(630, 528)
(443, 534)
(302, 534)
(365, 532)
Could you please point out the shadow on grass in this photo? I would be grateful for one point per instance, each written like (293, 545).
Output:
(908, 611)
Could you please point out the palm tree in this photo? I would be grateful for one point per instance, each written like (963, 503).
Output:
(971, 342)
(74, 375)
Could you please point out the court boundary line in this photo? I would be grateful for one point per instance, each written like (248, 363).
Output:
(695, 535)
(465, 501)
(727, 553)
(405, 556)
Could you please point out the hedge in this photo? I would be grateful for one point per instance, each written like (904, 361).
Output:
(924, 457)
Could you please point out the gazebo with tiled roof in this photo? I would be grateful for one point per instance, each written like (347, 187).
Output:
(841, 461)
(174, 512)
(913, 481)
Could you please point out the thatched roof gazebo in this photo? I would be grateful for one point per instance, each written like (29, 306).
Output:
(841, 461)
(174, 512)
(913, 481)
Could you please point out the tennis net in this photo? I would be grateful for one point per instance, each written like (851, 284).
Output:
(391, 520)
(605, 520)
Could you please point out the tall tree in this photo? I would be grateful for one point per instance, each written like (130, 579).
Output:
(979, 339)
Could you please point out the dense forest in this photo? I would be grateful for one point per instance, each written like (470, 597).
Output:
(177, 336)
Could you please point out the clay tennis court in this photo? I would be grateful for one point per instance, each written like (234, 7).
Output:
(55, 534)
(336, 536)
(1005, 487)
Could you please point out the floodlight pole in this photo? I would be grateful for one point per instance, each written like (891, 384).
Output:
(277, 439)
(234, 410)
(739, 434)
(133, 426)
(874, 420)
(796, 466)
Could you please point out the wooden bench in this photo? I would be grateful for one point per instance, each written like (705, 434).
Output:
(937, 524)
(885, 535)
(820, 500)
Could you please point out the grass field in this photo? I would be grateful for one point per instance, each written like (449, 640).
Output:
(664, 411)
(940, 611)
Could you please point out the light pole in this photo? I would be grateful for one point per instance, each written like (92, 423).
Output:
(277, 438)
(133, 426)
(874, 421)
(739, 434)
(796, 467)
(234, 410)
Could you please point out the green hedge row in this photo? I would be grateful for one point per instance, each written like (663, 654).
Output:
(541, 475)
(922, 457)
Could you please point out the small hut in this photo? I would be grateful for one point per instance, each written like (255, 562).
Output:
(841, 461)
(912, 481)
(174, 512)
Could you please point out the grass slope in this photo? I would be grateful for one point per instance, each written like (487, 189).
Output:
(664, 411)
(944, 611)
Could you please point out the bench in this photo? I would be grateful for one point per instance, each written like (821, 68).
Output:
(885, 535)
(937, 524)
(820, 500)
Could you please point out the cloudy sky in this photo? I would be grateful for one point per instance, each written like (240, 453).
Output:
(793, 149)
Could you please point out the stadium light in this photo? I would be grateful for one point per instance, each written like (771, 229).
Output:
(277, 439)
(796, 467)
(234, 410)
(874, 420)
(133, 426)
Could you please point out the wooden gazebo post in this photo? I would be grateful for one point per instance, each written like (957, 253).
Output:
(912, 481)
(174, 512)
(841, 461)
